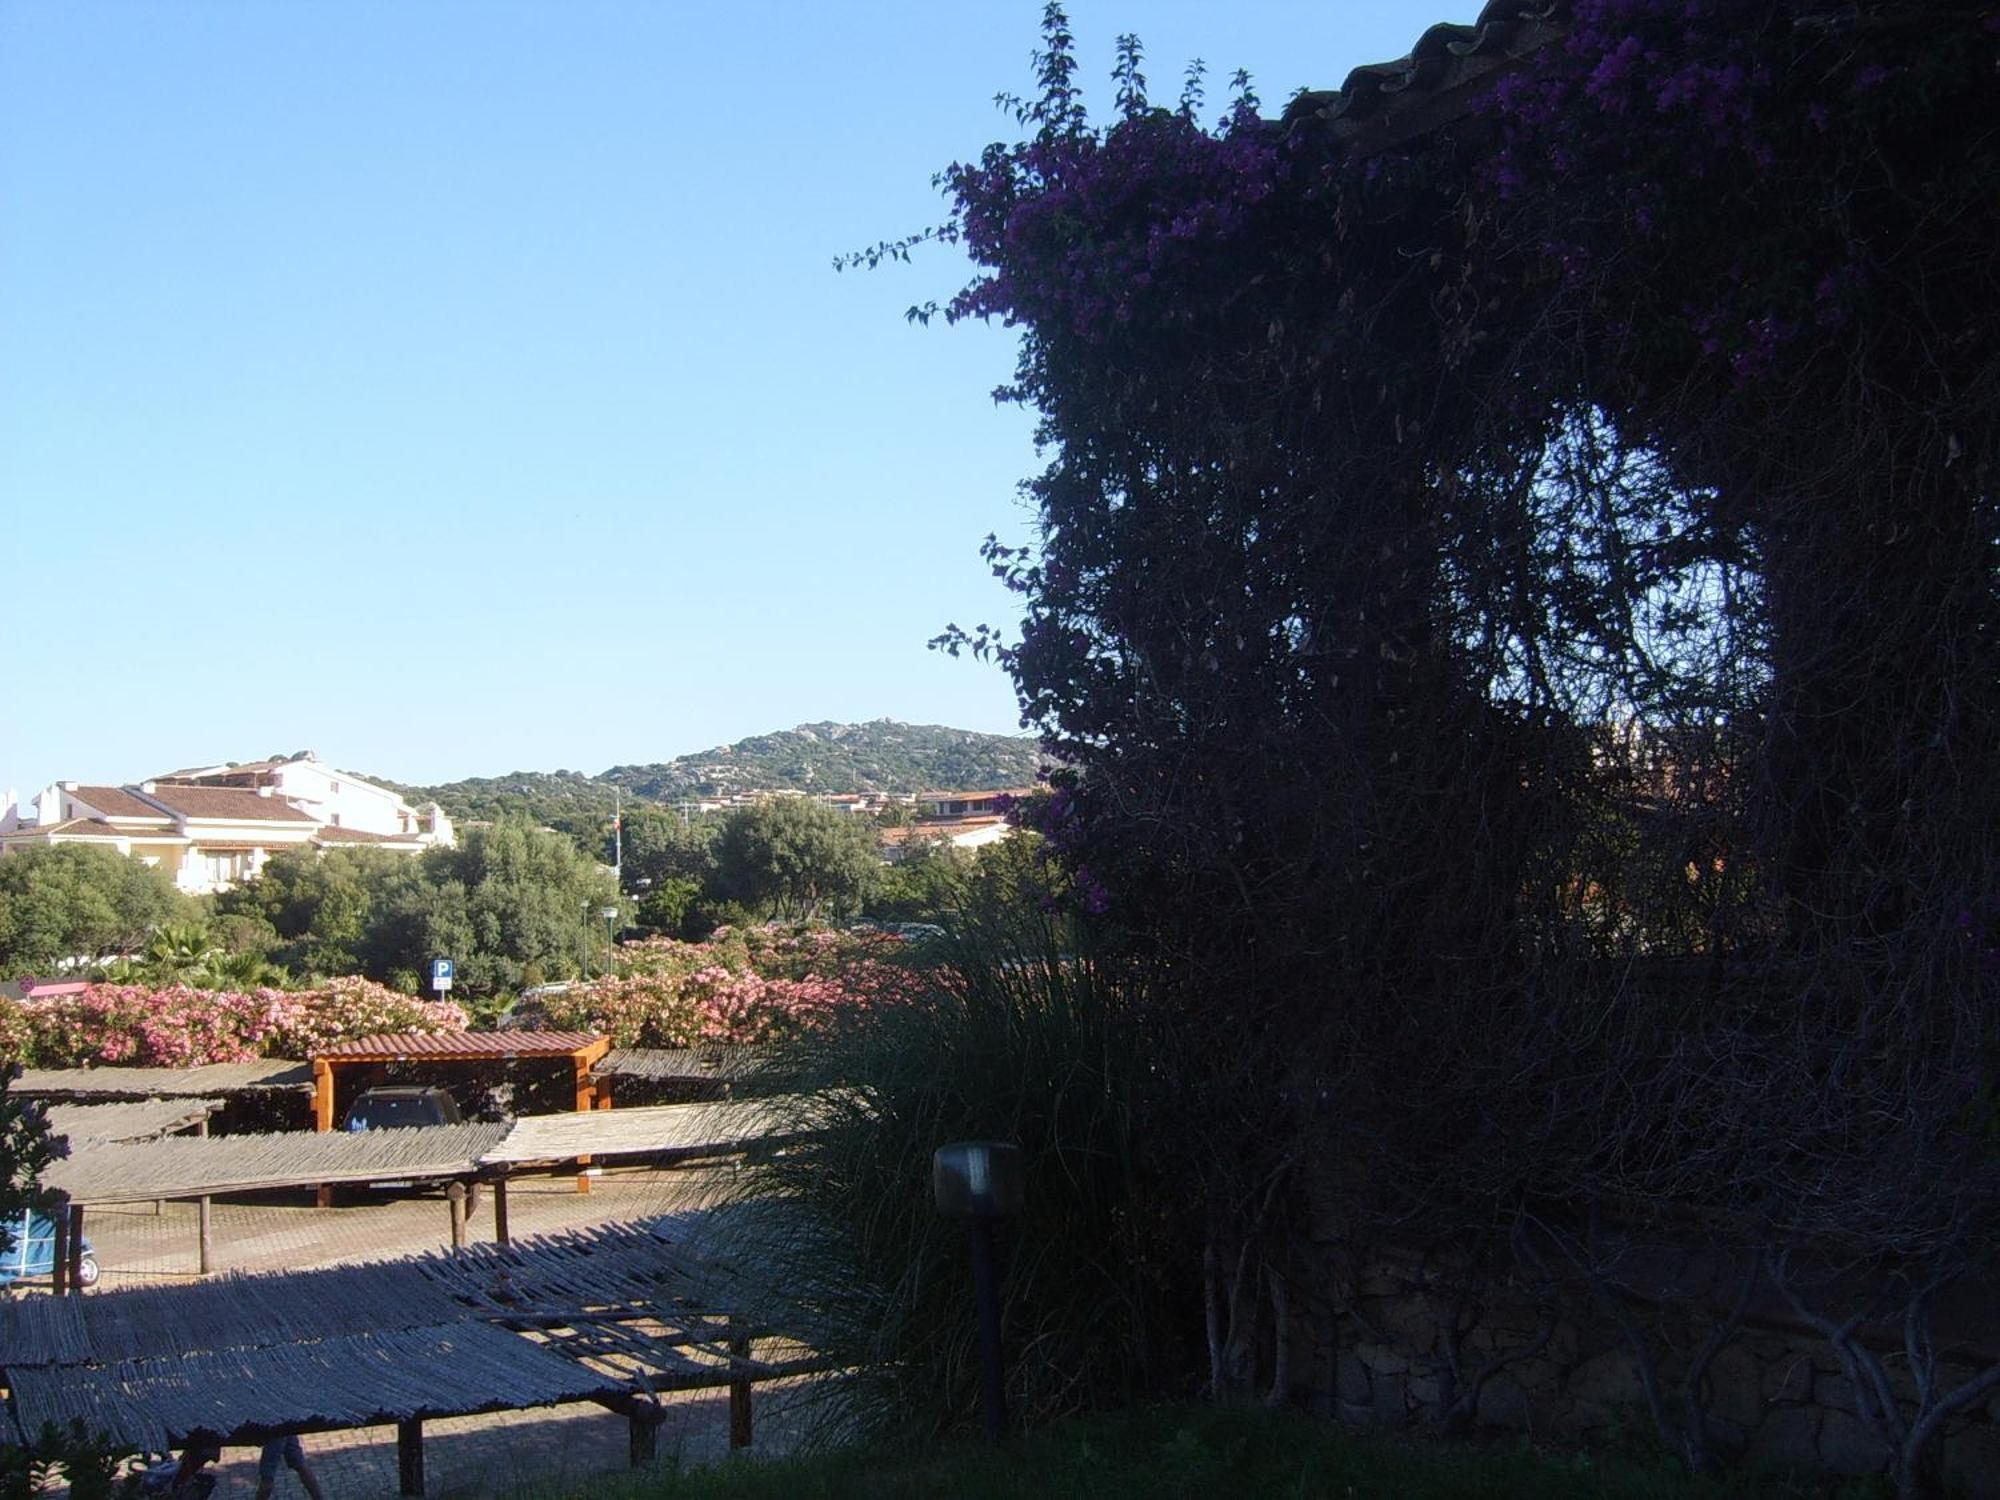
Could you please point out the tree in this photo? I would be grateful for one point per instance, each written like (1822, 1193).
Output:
(332, 912)
(78, 901)
(927, 883)
(1474, 546)
(660, 847)
(795, 859)
(512, 904)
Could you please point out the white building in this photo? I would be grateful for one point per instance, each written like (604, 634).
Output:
(211, 827)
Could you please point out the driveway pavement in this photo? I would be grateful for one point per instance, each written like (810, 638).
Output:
(547, 1451)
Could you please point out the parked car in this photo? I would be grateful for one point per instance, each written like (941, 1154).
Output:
(402, 1105)
(33, 1252)
(398, 1107)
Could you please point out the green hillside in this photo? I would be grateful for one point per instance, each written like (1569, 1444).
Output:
(881, 756)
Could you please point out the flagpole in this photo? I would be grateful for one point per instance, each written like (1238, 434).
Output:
(618, 838)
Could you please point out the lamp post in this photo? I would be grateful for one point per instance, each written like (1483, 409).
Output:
(982, 1182)
(610, 915)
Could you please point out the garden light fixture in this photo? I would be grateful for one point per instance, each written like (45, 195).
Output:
(982, 1182)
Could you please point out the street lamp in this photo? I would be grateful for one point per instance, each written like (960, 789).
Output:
(610, 915)
(982, 1182)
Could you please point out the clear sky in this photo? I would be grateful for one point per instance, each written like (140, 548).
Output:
(461, 386)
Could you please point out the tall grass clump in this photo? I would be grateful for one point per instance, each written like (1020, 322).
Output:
(1014, 1033)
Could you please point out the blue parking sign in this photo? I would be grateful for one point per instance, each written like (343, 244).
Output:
(442, 970)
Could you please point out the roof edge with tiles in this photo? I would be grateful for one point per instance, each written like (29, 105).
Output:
(1381, 105)
(443, 1045)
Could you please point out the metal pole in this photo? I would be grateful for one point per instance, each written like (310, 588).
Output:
(986, 1292)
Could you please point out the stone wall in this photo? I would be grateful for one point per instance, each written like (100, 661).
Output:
(1775, 1395)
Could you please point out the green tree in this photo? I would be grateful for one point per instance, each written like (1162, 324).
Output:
(67, 901)
(512, 904)
(332, 913)
(794, 859)
(661, 847)
(927, 884)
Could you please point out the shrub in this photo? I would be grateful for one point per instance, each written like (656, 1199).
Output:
(141, 1026)
(745, 985)
(1012, 1037)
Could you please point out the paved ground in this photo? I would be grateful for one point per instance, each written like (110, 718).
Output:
(549, 1451)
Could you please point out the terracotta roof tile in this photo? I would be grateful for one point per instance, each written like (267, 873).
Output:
(116, 802)
(226, 802)
(447, 1044)
(331, 835)
(74, 828)
(1383, 104)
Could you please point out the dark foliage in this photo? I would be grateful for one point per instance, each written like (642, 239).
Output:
(1519, 606)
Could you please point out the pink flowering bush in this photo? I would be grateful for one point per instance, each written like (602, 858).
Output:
(742, 986)
(138, 1026)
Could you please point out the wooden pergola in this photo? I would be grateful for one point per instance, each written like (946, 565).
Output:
(583, 1049)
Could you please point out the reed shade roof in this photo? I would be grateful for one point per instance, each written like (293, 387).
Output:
(211, 1080)
(677, 1064)
(711, 1127)
(594, 1314)
(227, 1312)
(602, 1268)
(131, 1120)
(189, 1167)
(352, 1380)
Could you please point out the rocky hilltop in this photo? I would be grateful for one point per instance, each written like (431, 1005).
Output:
(883, 755)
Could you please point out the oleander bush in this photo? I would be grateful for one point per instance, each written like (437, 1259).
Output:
(178, 1026)
(744, 985)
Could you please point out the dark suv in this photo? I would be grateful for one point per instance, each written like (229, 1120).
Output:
(405, 1104)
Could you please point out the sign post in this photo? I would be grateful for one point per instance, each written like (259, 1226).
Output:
(442, 970)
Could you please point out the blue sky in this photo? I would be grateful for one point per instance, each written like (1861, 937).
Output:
(453, 388)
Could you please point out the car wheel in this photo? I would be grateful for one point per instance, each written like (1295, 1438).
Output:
(86, 1271)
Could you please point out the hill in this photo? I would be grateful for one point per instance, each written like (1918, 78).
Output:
(881, 756)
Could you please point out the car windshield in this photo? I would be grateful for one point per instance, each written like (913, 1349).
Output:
(386, 1114)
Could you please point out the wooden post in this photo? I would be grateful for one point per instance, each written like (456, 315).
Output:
(323, 1118)
(642, 1429)
(410, 1456)
(500, 1208)
(739, 1395)
(59, 1251)
(586, 1099)
(322, 1094)
(76, 1247)
(207, 1262)
(455, 1198)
